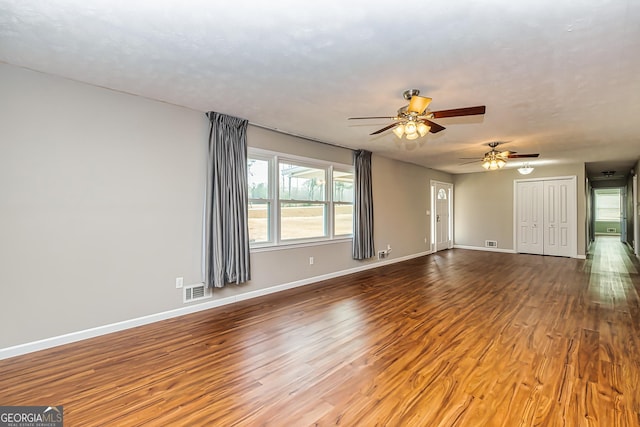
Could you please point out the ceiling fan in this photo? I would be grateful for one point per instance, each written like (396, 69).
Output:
(494, 159)
(414, 120)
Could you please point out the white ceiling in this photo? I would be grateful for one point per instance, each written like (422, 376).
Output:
(559, 78)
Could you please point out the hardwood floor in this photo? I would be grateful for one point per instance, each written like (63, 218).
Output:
(458, 338)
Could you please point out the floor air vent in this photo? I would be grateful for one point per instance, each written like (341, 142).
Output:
(196, 292)
(490, 243)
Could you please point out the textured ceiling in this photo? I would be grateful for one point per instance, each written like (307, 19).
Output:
(558, 78)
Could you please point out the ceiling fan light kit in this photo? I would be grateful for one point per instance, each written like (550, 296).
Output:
(411, 130)
(493, 163)
(414, 120)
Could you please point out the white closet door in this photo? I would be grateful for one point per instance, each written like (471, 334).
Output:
(530, 217)
(559, 217)
(546, 221)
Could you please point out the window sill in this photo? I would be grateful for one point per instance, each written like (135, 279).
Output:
(294, 245)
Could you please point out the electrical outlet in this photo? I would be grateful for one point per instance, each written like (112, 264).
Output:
(179, 282)
(310, 260)
(382, 254)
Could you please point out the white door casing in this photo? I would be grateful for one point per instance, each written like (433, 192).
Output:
(636, 218)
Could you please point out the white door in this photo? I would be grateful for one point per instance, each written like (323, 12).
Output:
(530, 217)
(442, 195)
(546, 218)
(559, 217)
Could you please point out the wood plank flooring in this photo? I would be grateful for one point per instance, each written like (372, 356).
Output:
(458, 338)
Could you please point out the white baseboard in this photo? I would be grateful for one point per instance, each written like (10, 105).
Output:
(507, 251)
(71, 337)
(46, 343)
(482, 248)
(315, 279)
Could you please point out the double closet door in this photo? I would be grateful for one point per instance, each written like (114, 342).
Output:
(546, 221)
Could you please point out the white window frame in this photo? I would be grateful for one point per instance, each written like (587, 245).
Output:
(271, 198)
(274, 159)
(338, 168)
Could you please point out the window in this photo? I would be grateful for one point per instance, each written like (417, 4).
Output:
(303, 201)
(295, 200)
(342, 202)
(607, 204)
(260, 200)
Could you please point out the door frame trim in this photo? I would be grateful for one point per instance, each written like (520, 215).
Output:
(636, 228)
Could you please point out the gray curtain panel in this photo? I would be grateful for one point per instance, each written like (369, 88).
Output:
(363, 246)
(226, 237)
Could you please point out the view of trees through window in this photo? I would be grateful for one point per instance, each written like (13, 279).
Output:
(311, 201)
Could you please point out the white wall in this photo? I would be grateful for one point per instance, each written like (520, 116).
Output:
(101, 200)
(402, 198)
(101, 208)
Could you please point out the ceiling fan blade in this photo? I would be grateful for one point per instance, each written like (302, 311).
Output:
(520, 156)
(418, 104)
(373, 117)
(435, 128)
(505, 154)
(392, 125)
(457, 112)
(472, 161)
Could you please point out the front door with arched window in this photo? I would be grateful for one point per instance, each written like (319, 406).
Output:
(442, 219)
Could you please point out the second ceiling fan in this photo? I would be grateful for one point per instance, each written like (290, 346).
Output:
(494, 159)
(414, 120)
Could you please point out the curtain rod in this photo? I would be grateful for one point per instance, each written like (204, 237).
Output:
(284, 132)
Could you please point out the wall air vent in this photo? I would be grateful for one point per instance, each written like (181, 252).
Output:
(196, 292)
(490, 243)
